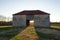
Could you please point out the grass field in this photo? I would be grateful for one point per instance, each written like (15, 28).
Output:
(57, 27)
(5, 26)
(29, 33)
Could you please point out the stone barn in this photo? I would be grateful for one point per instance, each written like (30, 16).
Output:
(40, 18)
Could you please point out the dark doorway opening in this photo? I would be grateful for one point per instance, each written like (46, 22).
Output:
(29, 22)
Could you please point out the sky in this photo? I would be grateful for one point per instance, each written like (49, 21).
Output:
(9, 7)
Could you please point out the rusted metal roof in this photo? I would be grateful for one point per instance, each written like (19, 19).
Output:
(31, 12)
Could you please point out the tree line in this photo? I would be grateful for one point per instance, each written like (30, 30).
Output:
(4, 23)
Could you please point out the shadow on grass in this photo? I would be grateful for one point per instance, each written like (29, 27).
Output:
(11, 32)
(8, 33)
(45, 36)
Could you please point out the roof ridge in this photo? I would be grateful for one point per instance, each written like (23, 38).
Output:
(33, 12)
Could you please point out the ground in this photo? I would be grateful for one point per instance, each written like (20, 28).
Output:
(29, 33)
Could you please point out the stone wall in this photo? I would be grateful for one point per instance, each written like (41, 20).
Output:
(39, 20)
(19, 20)
(42, 20)
(29, 17)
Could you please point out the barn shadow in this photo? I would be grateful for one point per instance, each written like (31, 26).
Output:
(10, 32)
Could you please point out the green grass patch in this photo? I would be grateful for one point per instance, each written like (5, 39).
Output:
(56, 27)
(5, 26)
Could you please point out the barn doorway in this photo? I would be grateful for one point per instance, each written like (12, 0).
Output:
(30, 22)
